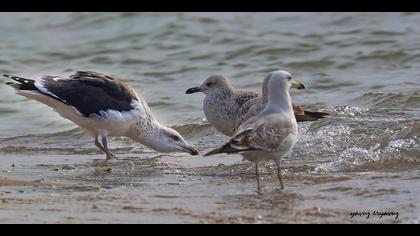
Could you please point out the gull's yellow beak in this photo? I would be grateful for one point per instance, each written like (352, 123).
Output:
(296, 85)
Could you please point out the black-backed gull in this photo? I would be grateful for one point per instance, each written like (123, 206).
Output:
(103, 106)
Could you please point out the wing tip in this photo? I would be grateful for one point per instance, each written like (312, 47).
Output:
(212, 152)
(14, 85)
(227, 148)
(312, 116)
(319, 114)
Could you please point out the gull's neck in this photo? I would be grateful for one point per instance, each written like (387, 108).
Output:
(265, 94)
(147, 132)
(229, 87)
(265, 89)
(279, 100)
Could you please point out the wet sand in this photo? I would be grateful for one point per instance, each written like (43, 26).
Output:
(181, 189)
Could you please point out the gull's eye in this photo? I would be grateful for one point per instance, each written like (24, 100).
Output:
(209, 84)
(289, 78)
(176, 138)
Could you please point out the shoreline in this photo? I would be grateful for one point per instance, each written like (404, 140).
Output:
(164, 190)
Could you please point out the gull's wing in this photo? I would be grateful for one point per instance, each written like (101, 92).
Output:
(298, 110)
(266, 134)
(90, 92)
(249, 109)
(242, 97)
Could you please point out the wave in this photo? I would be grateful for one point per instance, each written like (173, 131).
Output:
(390, 100)
(357, 138)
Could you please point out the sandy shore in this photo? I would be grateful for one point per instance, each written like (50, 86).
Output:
(165, 190)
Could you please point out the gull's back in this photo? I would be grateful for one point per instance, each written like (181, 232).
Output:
(221, 108)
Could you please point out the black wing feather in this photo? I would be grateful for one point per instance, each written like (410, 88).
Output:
(92, 92)
(89, 92)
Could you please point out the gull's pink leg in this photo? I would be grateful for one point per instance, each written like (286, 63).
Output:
(109, 155)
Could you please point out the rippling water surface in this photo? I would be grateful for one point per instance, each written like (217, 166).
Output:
(362, 67)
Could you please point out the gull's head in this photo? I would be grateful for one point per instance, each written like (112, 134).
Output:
(281, 79)
(162, 139)
(169, 140)
(213, 83)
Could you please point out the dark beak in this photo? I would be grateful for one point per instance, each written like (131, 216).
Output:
(191, 150)
(297, 85)
(193, 90)
(301, 86)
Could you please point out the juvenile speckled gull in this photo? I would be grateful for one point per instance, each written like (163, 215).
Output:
(272, 133)
(222, 103)
(103, 106)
